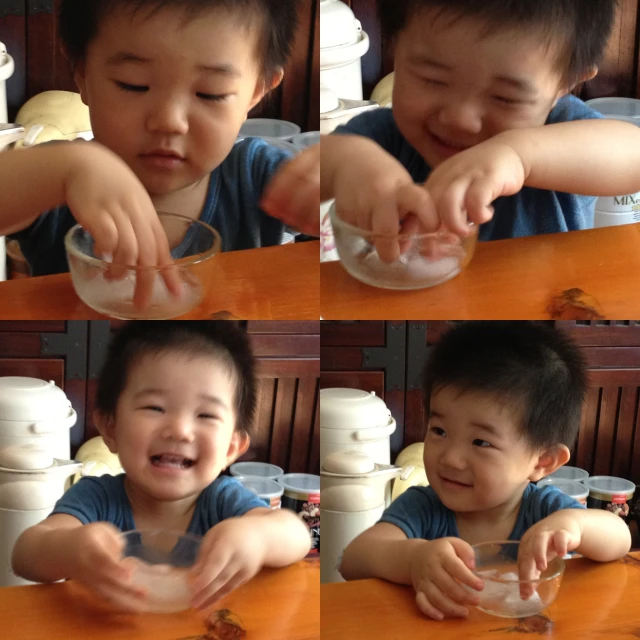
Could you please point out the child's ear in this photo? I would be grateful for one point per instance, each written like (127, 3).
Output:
(106, 427)
(549, 460)
(238, 446)
(264, 87)
(590, 74)
(80, 79)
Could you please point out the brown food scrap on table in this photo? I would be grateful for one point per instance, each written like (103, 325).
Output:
(221, 625)
(533, 624)
(574, 304)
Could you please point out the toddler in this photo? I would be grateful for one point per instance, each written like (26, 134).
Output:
(176, 402)
(503, 402)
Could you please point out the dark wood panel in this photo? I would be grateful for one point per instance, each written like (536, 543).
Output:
(283, 326)
(282, 421)
(34, 368)
(366, 380)
(20, 345)
(288, 368)
(294, 345)
(33, 326)
(612, 356)
(301, 441)
(369, 333)
(612, 333)
(340, 358)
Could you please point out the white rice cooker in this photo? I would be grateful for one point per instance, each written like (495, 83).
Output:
(35, 419)
(355, 420)
(353, 489)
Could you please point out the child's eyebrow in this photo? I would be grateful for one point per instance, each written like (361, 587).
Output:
(124, 57)
(203, 396)
(489, 428)
(522, 85)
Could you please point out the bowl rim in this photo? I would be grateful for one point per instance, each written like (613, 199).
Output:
(557, 573)
(181, 262)
(193, 537)
(333, 215)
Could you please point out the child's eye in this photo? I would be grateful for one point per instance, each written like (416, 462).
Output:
(153, 407)
(213, 97)
(207, 416)
(507, 100)
(435, 83)
(131, 87)
(481, 443)
(437, 431)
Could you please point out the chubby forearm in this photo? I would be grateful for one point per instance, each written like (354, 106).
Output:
(604, 535)
(586, 157)
(286, 537)
(42, 554)
(372, 556)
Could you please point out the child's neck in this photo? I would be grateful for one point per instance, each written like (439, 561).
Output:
(149, 513)
(494, 524)
(188, 201)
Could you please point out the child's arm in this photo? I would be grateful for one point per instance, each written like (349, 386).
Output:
(62, 547)
(586, 157)
(436, 568)
(594, 533)
(236, 549)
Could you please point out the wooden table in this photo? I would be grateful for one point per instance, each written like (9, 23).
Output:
(595, 601)
(281, 604)
(274, 283)
(509, 279)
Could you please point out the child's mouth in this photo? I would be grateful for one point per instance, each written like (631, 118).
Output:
(171, 461)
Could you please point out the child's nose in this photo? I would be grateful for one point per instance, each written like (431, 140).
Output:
(179, 428)
(453, 458)
(169, 117)
(462, 116)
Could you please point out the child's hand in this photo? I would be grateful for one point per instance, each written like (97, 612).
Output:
(464, 186)
(293, 195)
(437, 574)
(553, 536)
(106, 198)
(231, 554)
(378, 194)
(99, 565)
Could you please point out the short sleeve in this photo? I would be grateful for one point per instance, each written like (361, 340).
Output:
(92, 499)
(419, 513)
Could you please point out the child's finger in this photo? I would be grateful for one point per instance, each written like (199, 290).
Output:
(202, 595)
(451, 210)
(415, 199)
(454, 590)
(126, 253)
(478, 201)
(231, 585)
(444, 604)
(455, 567)
(561, 541)
(385, 223)
(427, 608)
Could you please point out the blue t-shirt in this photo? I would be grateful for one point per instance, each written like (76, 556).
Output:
(526, 213)
(231, 207)
(420, 513)
(104, 499)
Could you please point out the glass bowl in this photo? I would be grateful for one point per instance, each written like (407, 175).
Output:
(497, 566)
(115, 297)
(426, 259)
(161, 563)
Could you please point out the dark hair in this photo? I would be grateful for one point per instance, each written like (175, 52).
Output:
(534, 369)
(79, 22)
(222, 340)
(583, 25)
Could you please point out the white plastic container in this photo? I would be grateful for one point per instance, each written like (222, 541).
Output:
(302, 495)
(268, 128)
(256, 469)
(355, 420)
(623, 209)
(610, 493)
(568, 473)
(342, 45)
(575, 490)
(269, 490)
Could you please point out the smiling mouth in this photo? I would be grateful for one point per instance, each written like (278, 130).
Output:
(448, 143)
(172, 461)
(460, 484)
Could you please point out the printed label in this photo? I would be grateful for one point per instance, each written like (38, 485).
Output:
(308, 508)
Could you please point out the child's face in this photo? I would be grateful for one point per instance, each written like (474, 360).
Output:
(474, 456)
(162, 84)
(455, 86)
(174, 429)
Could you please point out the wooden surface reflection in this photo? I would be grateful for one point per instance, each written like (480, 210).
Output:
(274, 283)
(523, 278)
(596, 602)
(276, 605)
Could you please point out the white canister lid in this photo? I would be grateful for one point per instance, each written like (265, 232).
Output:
(25, 399)
(338, 24)
(256, 469)
(329, 101)
(571, 488)
(351, 498)
(300, 482)
(351, 409)
(348, 463)
(609, 485)
(569, 473)
(262, 487)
